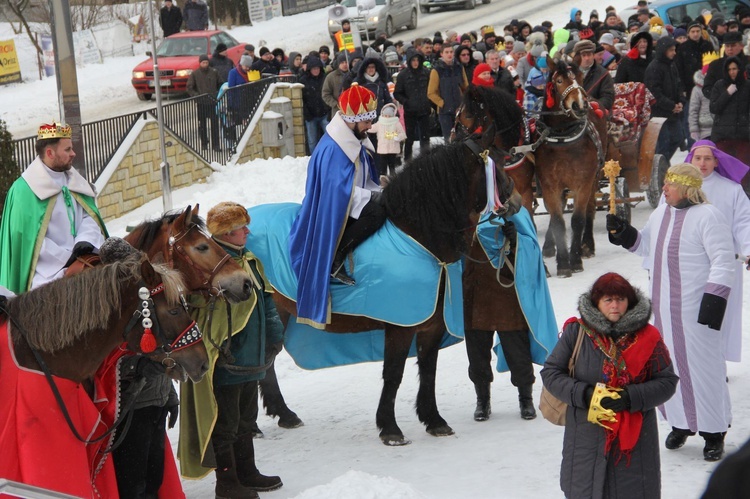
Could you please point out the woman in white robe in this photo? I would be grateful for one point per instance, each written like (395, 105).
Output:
(689, 249)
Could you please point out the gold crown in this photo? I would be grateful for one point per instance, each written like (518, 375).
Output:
(487, 29)
(709, 57)
(687, 181)
(54, 131)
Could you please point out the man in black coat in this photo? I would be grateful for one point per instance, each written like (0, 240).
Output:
(596, 80)
(170, 18)
(633, 65)
(315, 109)
(663, 80)
(503, 78)
(689, 57)
(411, 93)
(267, 64)
(221, 63)
(204, 82)
(732, 48)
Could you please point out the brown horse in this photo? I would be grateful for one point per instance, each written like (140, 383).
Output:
(572, 150)
(436, 200)
(181, 241)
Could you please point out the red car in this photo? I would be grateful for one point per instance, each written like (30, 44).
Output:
(178, 57)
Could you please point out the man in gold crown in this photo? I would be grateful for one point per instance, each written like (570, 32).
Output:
(50, 217)
(341, 207)
(689, 248)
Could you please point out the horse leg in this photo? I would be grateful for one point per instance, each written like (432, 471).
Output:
(428, 346)
(554, 204)
(549, 248)
(588, 249)
(577, 223)
(274, 402)
(397, 343)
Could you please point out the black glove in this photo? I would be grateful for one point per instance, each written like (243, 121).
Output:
(174, 411)
(510, 232)
(81, 248)
(617, 405)
(149, 368)
(587, 396)
(712, 311)
(620, 232)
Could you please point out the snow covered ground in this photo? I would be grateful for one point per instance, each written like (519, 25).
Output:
(338, 454)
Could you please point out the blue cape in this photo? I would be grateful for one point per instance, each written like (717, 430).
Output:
(530, 283)
(318, 227)
(398, 281)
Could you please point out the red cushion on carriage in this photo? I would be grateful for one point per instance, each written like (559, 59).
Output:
(631, 111)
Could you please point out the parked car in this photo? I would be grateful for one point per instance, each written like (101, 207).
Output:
(673, 11)
(426, 5)
(386, 17)
(178, 56)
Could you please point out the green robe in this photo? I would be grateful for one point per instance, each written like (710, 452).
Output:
(24, 225)
(197, 403)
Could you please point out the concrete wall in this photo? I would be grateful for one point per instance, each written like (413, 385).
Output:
(133, 177)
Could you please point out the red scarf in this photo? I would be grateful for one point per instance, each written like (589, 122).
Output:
(625, 362)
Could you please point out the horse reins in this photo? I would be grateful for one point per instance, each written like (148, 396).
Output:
(173, 246)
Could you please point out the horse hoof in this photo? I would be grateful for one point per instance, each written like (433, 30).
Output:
(290, 421)
(441, 431)
(394, 440)
(564, 273)
(577, 267)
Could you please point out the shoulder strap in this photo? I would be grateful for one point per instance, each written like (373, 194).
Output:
(576, 351)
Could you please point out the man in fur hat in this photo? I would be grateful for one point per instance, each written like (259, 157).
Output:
(341, 207)
(596, 80)
(50, 216)
(218, 414)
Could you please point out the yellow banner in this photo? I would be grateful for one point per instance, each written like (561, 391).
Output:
(10, 70)
(345, 41)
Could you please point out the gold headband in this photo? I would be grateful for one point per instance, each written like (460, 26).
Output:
(686, 180)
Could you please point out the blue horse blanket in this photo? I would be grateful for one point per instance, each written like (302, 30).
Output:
(530, 283)
(398, 281)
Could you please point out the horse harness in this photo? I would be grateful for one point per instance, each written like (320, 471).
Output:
(174, 247)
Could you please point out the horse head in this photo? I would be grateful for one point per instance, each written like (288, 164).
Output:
(182, 242)
(565, 90)
(162, 328)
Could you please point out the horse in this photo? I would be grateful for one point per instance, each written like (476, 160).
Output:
(436, 200)
(66, 329)
(573, 148)
(181, 241)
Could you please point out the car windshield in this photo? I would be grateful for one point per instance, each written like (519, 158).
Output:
(353, 3)
(172, 47)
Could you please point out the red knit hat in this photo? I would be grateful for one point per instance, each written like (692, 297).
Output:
(358, 104)
(476, 80)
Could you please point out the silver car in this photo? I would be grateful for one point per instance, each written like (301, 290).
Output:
(386, 17)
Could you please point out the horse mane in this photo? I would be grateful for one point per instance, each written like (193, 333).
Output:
(149, 230)
(57, 314)
(431, 194)
(501, 106)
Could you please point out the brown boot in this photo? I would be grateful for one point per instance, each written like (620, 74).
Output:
(228, 485)
(247, 472)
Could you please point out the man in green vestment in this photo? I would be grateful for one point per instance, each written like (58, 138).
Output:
(50, 216)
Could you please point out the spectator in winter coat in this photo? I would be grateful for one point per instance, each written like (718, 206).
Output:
(730, 105)
(535, 84)
(700, 119)
(411, 93)
(267, 64)
(315, 109)
(501, 76)
(633, 66)
(390, 135)
(575, 20)
(447, 83)
(205, 80)
(732, 48)
(690, 55)
(596, 80)
(534, 47)
(221, 63)
(463, 56)
(295, 63)
(333, 84)
(170, 18)
(196, 15)
(560, 39)
(663, 80)
(238, 76)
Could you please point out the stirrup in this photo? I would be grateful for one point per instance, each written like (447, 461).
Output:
(340, 275)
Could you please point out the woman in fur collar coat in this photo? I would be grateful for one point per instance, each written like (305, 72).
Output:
(616, 455)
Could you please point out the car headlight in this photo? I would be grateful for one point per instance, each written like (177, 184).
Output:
(139, 75)
(373, 19)
(330, 22)
(181, 73)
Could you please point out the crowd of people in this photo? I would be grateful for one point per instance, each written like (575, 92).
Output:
(356, 120)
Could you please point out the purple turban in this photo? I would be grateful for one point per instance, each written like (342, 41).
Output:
(728, 166)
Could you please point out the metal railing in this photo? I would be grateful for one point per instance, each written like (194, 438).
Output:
(229, 116)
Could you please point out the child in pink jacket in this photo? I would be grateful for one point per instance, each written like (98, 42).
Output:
(390, 135)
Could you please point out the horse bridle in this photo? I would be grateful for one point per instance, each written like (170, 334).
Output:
(173, 248)
(482, 155)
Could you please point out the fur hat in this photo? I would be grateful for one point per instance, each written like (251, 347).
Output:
(226, 217)
(584, 46)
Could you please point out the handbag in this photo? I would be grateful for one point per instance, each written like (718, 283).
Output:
(552, 408)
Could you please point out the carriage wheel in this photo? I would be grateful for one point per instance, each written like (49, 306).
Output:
(622, 209)
(659, 167)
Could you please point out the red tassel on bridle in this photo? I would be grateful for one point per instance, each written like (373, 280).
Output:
(551, 100)
(148, 341)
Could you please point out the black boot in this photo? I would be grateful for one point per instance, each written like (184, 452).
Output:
(677, 438)
(714, 448)
(247, 472)
(338, 269)
(526, 402)
(227, 483)
(484, 409)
